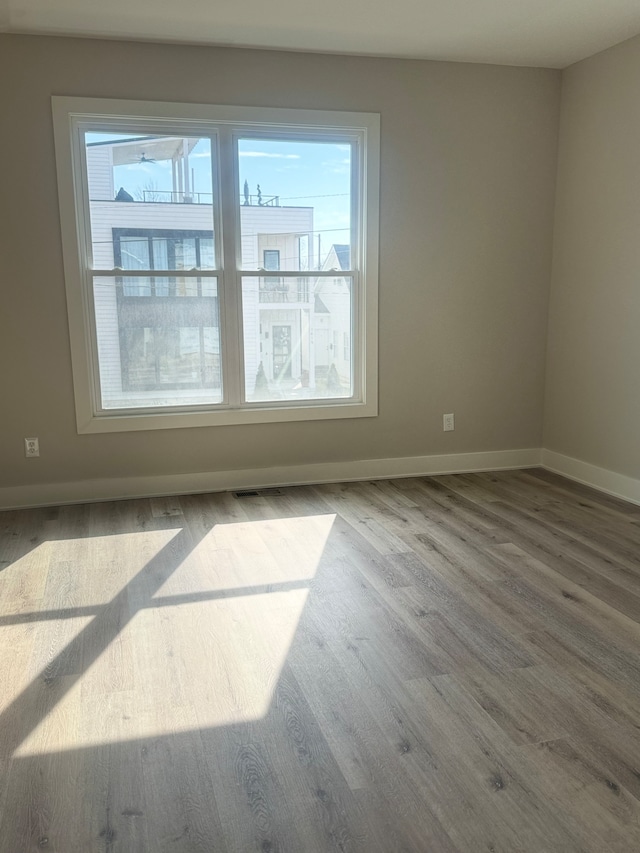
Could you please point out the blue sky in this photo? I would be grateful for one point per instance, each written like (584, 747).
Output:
(314, 174)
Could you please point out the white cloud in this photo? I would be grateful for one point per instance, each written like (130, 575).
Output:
(270, 155)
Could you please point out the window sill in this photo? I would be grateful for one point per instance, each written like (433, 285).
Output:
(223, 417)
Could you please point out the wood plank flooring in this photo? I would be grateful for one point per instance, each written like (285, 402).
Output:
(422, 665)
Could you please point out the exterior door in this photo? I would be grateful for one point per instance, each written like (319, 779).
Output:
(281, 352)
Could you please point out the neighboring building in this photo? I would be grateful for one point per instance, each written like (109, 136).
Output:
(333, 302)
(152, 338)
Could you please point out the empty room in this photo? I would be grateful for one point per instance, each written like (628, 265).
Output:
(319, 427)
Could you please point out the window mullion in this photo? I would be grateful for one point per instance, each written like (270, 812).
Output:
(229, 281)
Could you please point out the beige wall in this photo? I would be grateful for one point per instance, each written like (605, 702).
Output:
(468, 172)
(592, 407)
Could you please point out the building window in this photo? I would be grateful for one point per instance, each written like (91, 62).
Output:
(271, 259)
(156, 355)
(160, 249)
(174, 220)
(272, 289)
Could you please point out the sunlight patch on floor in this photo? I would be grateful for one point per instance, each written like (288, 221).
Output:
(213, 659)
(66, 573)
(25, 653)
(252, 553)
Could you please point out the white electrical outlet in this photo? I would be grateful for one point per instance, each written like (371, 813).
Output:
(448, 423)
(31, 447)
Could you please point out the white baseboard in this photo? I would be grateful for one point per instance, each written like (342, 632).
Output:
(84, 491)
(618, 485)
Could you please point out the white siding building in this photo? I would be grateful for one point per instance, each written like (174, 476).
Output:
(152, 339)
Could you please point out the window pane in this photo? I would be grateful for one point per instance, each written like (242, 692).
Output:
(271, 259)
(272, 262)
(160, 262)
(295, 202)
(156, 351)
(185, 251)
(297, 338)
(155, 184)
(207, 256)
(134, 255)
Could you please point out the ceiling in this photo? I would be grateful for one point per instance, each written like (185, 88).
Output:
(549, 33)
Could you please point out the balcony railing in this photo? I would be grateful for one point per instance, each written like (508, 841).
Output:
(273, 289)
(175, 197)
(180, 197)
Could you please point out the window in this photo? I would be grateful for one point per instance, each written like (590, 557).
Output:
(272, 259)
(272, 284)
(175, 219)
(152, 356)
(156, 248)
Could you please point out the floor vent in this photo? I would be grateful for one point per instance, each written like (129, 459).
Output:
(257, 493)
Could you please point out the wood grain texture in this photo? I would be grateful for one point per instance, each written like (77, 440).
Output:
(426, 665)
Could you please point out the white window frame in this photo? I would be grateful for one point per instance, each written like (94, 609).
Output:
(71, 116)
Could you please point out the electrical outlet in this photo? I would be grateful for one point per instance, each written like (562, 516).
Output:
(31, 447)
(448, 423)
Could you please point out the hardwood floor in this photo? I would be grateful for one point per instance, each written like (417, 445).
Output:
(435, 664)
